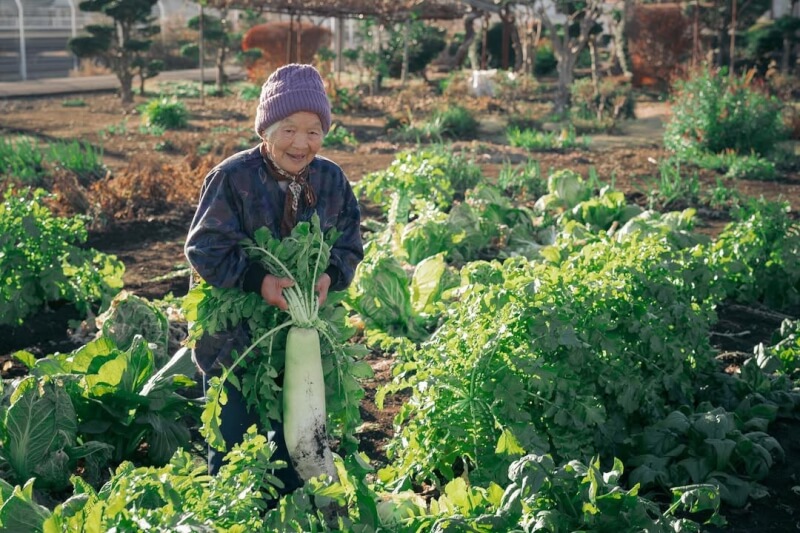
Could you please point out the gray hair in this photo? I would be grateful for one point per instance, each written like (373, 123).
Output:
(272, 128)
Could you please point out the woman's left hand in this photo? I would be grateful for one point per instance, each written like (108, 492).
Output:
(322, 286)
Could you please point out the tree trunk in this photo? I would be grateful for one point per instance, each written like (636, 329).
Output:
(469, 38)
(618, 28)
(124, 69)
(732, 53)
(567, 49)
(786, 54)
(222, 52)
(516, 42)
(406, 37)
(595, 66)
(566, 71)
(126, 86)
(222, 78)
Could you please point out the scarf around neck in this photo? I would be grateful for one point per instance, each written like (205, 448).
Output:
(298, 188)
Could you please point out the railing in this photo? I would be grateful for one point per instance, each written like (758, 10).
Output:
(43, 19)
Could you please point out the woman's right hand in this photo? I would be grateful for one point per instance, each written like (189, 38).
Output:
(272, 290)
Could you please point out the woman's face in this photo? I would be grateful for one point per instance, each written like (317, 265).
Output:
(295, 142)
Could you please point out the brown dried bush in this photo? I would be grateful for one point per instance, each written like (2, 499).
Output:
(146, 189)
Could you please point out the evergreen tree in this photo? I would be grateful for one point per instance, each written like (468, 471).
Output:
(122, 43)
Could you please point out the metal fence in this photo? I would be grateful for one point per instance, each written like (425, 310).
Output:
(33, 36)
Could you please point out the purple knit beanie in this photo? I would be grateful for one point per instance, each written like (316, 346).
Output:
(290, 89)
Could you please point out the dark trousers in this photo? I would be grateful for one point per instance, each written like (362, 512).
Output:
(235, 419)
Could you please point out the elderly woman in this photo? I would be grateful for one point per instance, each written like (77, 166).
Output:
(276, 184)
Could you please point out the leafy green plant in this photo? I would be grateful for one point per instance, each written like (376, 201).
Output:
(381, 294)
(165, 146)
(179, 89)
(81, 158)
(73, 102)
(722, 197)
(543, 141)
(455, 122)
(42, 261)
(249, 91)
(751, 167)
(523, 181)
(178, 495)
(39, 436)
(339, 136)
(164, 113)
(672, 187)
(129, 315)
(436, 174)
(756, 258)
(21, 159)
(115, 129)
(122, 398)
(707, 446)
(452, 122)
(714, 112)
(556, 357)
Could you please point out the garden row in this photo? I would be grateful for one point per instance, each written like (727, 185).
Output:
(554, 347)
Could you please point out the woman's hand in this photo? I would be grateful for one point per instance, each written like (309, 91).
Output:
(272, 290)
(322, 286)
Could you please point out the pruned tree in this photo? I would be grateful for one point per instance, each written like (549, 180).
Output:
(220, 40)
(569, 38)
(120, 43)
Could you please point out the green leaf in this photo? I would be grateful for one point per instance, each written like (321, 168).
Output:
(38, 425)
(21, 513)
(508, 444)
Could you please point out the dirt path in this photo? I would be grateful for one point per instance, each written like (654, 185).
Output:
(647, 131)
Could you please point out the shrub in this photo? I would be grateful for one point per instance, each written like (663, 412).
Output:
(546, 61)
(456, 122)
(712, 112)
(453, 122)
(165, 113)
(599, 110)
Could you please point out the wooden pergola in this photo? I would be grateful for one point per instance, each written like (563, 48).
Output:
(384, 10)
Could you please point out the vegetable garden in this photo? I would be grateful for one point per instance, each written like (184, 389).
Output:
(544, 335)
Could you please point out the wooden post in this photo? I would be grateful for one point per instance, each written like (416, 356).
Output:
(732, 52)
(404, 70)
(202, 57)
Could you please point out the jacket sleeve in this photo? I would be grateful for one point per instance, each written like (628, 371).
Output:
(212, 246)
(348, 251)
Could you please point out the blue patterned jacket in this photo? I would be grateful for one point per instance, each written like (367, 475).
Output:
(238, 197)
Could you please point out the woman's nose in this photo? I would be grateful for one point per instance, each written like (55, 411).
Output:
(300, 140)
